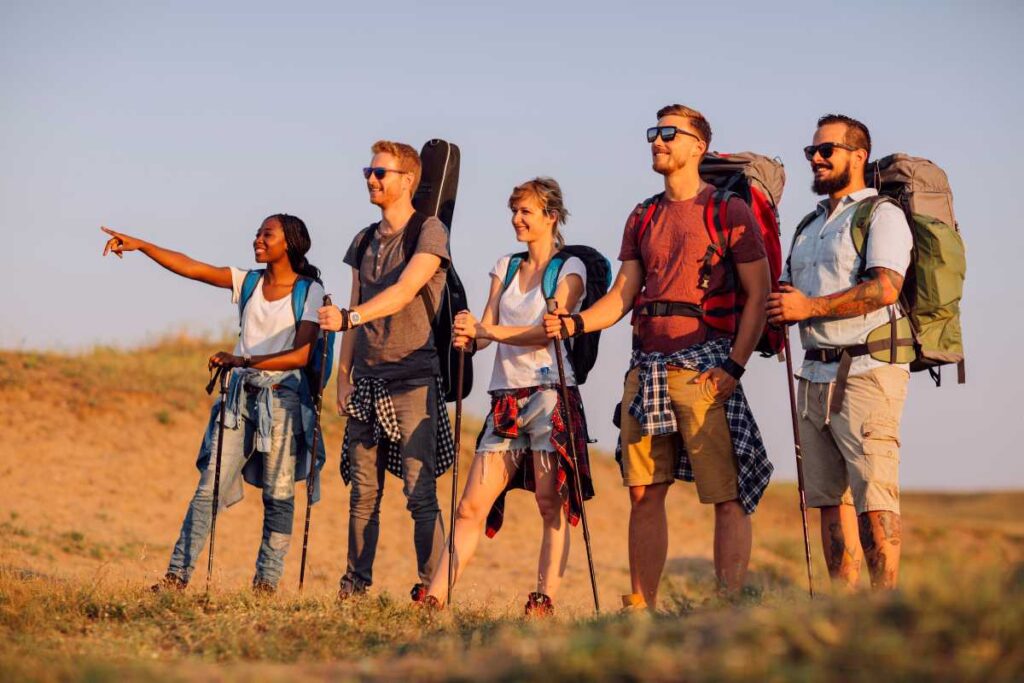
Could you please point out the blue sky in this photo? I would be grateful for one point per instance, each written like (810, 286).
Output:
(187, 123)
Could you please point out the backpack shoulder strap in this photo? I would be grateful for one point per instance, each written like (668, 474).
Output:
(646, 210)
(549, 283)
(252, 278)
(800, 227)
(715, 220)
(364, 243)
(860, 225)
(512, 268)
(411, 235)
(300, 292)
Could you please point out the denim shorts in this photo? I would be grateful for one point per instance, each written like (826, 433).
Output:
(534, 424)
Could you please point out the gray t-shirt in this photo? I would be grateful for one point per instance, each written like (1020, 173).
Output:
(400, 346)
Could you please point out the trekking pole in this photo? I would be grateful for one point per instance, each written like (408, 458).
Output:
(799, 458)
(455, 472)
(218, 374)
(552, 306)
(311, 476)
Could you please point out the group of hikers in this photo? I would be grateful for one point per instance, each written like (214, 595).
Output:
(683, 413)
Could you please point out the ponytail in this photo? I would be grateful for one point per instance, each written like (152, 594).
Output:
(296, 237)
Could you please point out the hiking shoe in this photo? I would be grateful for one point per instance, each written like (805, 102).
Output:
(169, 582)
(634, 602)
(350, 587)
(539, 605)
(429, 603)
(262, 588)
(418, 592)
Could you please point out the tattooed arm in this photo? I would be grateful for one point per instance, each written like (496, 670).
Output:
(791, 305)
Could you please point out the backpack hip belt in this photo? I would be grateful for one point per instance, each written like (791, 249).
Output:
(662, 309)
(844, 356)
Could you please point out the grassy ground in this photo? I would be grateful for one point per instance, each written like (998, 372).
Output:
(98, 469)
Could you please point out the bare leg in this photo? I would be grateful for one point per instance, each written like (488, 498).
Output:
(733, 538)
(841, 543)
(554, 547)
(880, 535)
(648, 539)
(483, 485)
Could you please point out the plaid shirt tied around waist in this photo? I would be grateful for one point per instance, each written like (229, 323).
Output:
(505, 414)
(652, 408)
(371, 403)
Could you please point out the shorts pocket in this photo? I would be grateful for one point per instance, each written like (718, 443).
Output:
(881, 436)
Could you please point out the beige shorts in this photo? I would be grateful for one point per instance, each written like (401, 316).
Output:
(852, 457)
(703, 428)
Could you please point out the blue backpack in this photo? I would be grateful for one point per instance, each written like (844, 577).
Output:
(300, 292)
(581, 351)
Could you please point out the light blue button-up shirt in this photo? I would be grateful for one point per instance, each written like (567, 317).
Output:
(824, 261)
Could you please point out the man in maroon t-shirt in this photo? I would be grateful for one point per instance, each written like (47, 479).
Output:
(683, 372)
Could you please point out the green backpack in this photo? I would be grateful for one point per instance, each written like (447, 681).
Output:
(928, 336)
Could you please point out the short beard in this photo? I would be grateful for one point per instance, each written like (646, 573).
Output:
(833, 184)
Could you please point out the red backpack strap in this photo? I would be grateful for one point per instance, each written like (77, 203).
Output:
(646, 211)
(715, 224)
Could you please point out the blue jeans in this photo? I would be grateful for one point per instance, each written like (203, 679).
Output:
(278, 488)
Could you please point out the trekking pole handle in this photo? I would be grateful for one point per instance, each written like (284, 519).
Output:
(215, 374)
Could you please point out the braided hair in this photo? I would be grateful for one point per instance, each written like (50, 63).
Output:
(296, 237)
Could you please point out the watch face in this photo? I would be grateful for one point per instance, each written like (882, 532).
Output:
(354, 317)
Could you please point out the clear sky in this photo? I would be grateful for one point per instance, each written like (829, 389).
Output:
(188, 123)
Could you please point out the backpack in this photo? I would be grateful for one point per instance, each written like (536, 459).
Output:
(582, 350)
(934, 282)
(300, 292)
(453, 300)
(758, 181)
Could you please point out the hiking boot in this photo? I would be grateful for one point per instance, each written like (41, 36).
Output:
(169, 582)
(429, 603)
(350, 587)
(539, 605)
(262, 588)
(418, 592)
(634, 602)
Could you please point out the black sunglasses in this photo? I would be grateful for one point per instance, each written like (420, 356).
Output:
(667, 133)
(825, 149)
(379, 172)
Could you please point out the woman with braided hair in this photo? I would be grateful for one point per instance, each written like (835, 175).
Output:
(269, 417)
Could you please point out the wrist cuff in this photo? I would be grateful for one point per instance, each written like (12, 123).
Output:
(734, 369)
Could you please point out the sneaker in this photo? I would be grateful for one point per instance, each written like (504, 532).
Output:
(350, 587)
(169, 582)
(539, 605)
(418, 592)
(263, 588)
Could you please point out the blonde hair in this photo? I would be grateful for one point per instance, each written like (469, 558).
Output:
(548, 193)
(408, 158)
(697, 120)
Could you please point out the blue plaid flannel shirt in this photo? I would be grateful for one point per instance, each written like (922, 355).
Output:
(653, 409)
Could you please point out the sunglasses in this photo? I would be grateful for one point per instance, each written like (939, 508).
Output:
(379, 172)
(667, 133)
(825, 149)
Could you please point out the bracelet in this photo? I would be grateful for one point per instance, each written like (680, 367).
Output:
(577, 325)
(345, 324)
(734, 369)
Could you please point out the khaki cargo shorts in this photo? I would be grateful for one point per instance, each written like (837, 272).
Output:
(853, 457)
(703, 428)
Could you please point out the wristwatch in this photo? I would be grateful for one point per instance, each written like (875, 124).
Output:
(354, 318)
(246, 360)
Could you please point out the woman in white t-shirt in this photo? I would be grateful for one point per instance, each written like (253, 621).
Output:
(269, 409)
(524, 443)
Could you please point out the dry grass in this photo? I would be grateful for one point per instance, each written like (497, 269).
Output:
(98, 468)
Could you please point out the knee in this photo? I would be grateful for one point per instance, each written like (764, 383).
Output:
(550, 505)
(730, 510)
(470, 511)
(643, 498)
(364, 498)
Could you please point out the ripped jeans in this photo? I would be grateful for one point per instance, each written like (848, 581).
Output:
(278, 488)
